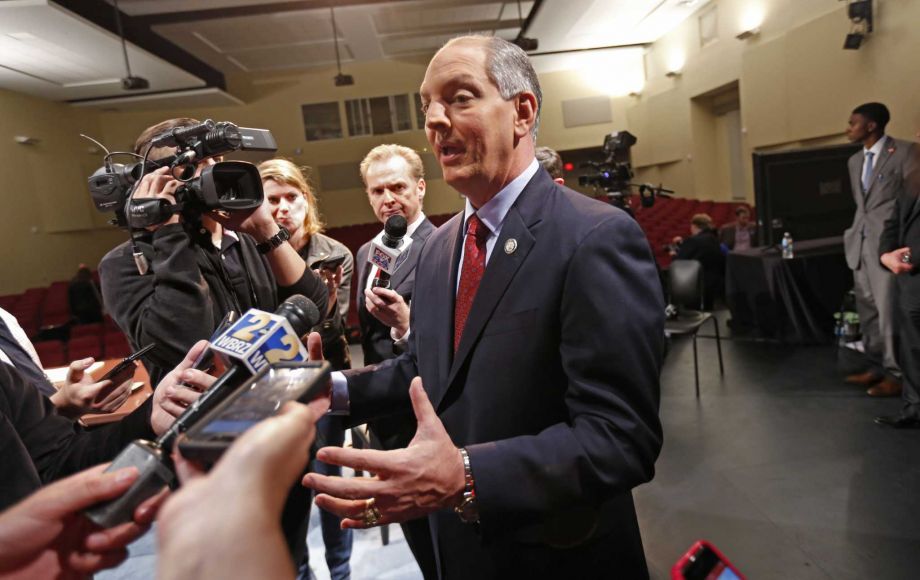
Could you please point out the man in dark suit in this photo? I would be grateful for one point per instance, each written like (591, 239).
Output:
(877, 175)
(899, 248)
(537, 330)
(394, 179)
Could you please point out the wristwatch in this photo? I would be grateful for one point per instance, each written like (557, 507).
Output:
(468, 510)
(273, 242)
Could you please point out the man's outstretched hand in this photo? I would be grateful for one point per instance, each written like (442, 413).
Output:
(408, 483)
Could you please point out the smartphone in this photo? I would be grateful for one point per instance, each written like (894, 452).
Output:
(126, 363)
(258, 398)
(330, 263)
(703, 561)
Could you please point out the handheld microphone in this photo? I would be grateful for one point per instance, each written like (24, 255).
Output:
(254, 341)
(386, 255)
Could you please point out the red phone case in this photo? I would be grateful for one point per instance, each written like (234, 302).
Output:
(677, 572)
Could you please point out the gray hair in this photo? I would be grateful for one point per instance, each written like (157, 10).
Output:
(550, 160)
(509, 67)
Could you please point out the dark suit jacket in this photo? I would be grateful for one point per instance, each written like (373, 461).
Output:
(705, 247)
(903, 229)
(554, 389)
(375, 335)
(38, 446)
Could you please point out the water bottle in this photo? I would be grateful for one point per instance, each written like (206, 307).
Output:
(788, 251)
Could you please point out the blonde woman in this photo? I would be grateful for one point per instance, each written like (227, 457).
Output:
(289, 197)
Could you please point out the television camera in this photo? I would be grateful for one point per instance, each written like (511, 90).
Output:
(226, 185)
(613, 174)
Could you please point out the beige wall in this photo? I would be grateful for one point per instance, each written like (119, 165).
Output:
(47, 223)
(796, 88)
(797, 85)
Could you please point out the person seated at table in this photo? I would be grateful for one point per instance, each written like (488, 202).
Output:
(740, 234)
(80, 393)
(703, 246)
(38, 445)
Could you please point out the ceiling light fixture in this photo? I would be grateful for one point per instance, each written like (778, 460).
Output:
(744, 35)
(860, 14)
(341, 80)
(129, 82)
(673, 74)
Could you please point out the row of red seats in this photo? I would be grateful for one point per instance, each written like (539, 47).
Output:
(670, 217)
(56, 353)
(40, 307)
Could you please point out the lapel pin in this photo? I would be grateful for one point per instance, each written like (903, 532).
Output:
(510, 246)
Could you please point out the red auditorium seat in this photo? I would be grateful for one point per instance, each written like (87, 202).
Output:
(116, 345)
(85, 346)
(109, 324)
(9, 301)
(56, 308)
(51, 353)
(95, 329)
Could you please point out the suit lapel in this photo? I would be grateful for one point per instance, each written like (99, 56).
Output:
(859, 196)
(912, 213)
(408, 265)
(526, 213)
(888, 151)
(499, 273)
(442, 305)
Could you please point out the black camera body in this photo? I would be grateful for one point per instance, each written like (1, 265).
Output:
(226, 185)
(614, 172)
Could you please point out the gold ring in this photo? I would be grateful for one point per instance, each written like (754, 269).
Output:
(371, 515)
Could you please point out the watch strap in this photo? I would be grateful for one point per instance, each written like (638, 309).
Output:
(273, 242)
(468, 510)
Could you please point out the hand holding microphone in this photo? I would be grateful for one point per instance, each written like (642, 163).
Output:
(386, 253)
(257, 339)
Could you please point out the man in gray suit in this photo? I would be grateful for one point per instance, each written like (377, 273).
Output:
(877, 175)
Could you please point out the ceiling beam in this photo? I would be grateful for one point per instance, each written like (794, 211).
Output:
(270, 8)
(102, 14)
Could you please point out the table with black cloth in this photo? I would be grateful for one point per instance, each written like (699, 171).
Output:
(790, 300)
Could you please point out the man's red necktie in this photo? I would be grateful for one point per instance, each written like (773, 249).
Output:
(474, 264)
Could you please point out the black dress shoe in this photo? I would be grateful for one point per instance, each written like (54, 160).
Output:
(898, 421)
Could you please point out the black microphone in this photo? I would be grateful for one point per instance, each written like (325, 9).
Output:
(298, 310)
(386, 254)
(246, 343)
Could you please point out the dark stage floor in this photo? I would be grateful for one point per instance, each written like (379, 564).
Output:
(780, 465)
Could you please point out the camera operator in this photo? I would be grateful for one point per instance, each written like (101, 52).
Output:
(200, 267)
